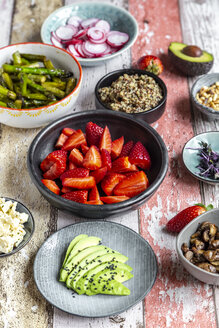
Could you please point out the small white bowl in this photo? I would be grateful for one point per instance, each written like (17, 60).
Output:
(36, 117)
(184, 237)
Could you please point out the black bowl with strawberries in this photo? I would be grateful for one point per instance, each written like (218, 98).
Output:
(97, 165)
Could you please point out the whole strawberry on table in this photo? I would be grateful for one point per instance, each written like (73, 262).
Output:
(151, 64)
(90, 168)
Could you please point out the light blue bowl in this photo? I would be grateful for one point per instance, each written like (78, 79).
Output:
(191, 158)
(118, 18)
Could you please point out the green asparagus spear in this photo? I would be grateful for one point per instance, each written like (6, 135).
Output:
(25, 61)
(70, 85)
(3, 104)
(10, 94)
(57, 92)
(18, 103)
(24, 85)
(37, 78)
(36, 86)
(34, 64)
(17, 58)
(60, 85)
(33, 57)
(6, 77)
(48, 64)
(38, 96)
(32, 70)
(11, 104)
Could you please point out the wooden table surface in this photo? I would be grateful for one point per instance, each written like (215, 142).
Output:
(177, 299)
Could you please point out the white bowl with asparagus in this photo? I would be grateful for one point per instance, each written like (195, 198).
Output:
(38, 84)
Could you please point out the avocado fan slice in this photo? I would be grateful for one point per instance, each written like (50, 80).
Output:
(92, 255)
(81, 245)
(71, 245)
(83, 283)
(110, 287)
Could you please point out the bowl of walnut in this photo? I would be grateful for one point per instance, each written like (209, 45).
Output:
(205, 95)
(197, 247)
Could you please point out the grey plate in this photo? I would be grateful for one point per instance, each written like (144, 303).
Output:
(51, 254)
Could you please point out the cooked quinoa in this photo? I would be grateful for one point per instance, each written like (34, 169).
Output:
(132, 94)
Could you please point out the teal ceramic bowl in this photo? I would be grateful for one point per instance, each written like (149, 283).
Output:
(191, 158)
(119, 19)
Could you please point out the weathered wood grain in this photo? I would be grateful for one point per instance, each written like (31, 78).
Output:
(176, 300)
(6, 13)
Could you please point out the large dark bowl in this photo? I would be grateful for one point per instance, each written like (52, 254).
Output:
(119, 124)
(148, 116)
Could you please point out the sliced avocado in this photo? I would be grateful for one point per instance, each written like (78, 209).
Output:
(81, 245)
(110, 287)
(71, 245)
(83, 282)
(190, 60)
(81, 266)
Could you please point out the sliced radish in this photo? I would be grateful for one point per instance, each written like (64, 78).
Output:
(78, 48)
(66, 32)
(72, 50)
(53, 34)
(86, 52)
(103, 25)
(81, 33)
(55, 42)
(117, 39)
(94, 49)
(95, 35)
(72, 41)
(89, 22)
(74, 20)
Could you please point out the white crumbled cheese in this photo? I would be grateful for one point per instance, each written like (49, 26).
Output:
(11, 225)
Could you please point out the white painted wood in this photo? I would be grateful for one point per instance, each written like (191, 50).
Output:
(133, 317)
(6, 11)
(200, 26)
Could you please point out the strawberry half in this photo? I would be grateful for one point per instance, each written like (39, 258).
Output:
(79, 172)
(127, 148)
(105, 140)
(122, 165)
(106, 159)
(92, 159)
(99, 174)
(64, 190)
(132, 185)
(117, 146)
(94, 202)
(79, 196)
(61, 140)
(68, 131)
(93, 134)
(179, 221)
(79, 183)
(94, 194)
(71, 166)
(140, 156)
(110, 181)
(113, 199)
(52, 158)
(84, 149)
(75, 140)
(54, 164)
(76, 157)
(51, 185)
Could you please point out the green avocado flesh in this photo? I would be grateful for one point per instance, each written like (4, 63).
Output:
(71, 245)
(177, 47)
(112, 288)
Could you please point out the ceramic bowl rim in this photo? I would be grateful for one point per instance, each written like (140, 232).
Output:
(206, 180)
(178, 247)
(96, 60)
(30, 217)
(106, 207)
(135, 71)
(61, 100)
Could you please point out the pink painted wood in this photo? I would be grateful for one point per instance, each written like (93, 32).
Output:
(176, 300)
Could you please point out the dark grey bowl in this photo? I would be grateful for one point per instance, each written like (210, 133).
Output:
(205, 80)
(29, 227)
(119, 124)
(148, 116)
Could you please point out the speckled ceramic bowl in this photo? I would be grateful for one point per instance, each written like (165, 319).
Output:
(205, 80)
(119, 19)
(32, 118)
(184, 236)
(29, 227)
(191, 158)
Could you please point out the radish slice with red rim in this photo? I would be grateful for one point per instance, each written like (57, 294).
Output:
(86, 52)
(74, 20)
(55, 42)
(73, 51)
(66, 32)
(78, 48)
(117, 39)
(89, 22)
(53, 34)
(72, 41)
(94, 49)
(103, 25)
(81, 33)
(95, 33)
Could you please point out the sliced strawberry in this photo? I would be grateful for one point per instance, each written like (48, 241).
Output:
(94, 202)
(140, 156)
(106, 159)
(76, 157)
(79, 196)
(71, 166)
(55, 170)
(99, 174)
(51, 185)
(117, 146)
(84, 149)
(52, 158)
(79, 183)
(75, 140)
(92, 159)
(105, 140)
(64, 190)
(132, 185)
(94, 194)
(79, 172)
(113, 199)
(61, 140)
(68, 131)
(93, 134)
(110, 181)
(127, 148)
(122, 165)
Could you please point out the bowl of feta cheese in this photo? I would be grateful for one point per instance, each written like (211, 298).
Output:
(16, 226)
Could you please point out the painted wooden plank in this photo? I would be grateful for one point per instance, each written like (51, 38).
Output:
(6, 12)
(134, 316)
(176, 300)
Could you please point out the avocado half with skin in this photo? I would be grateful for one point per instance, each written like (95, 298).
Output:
(190, 60)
